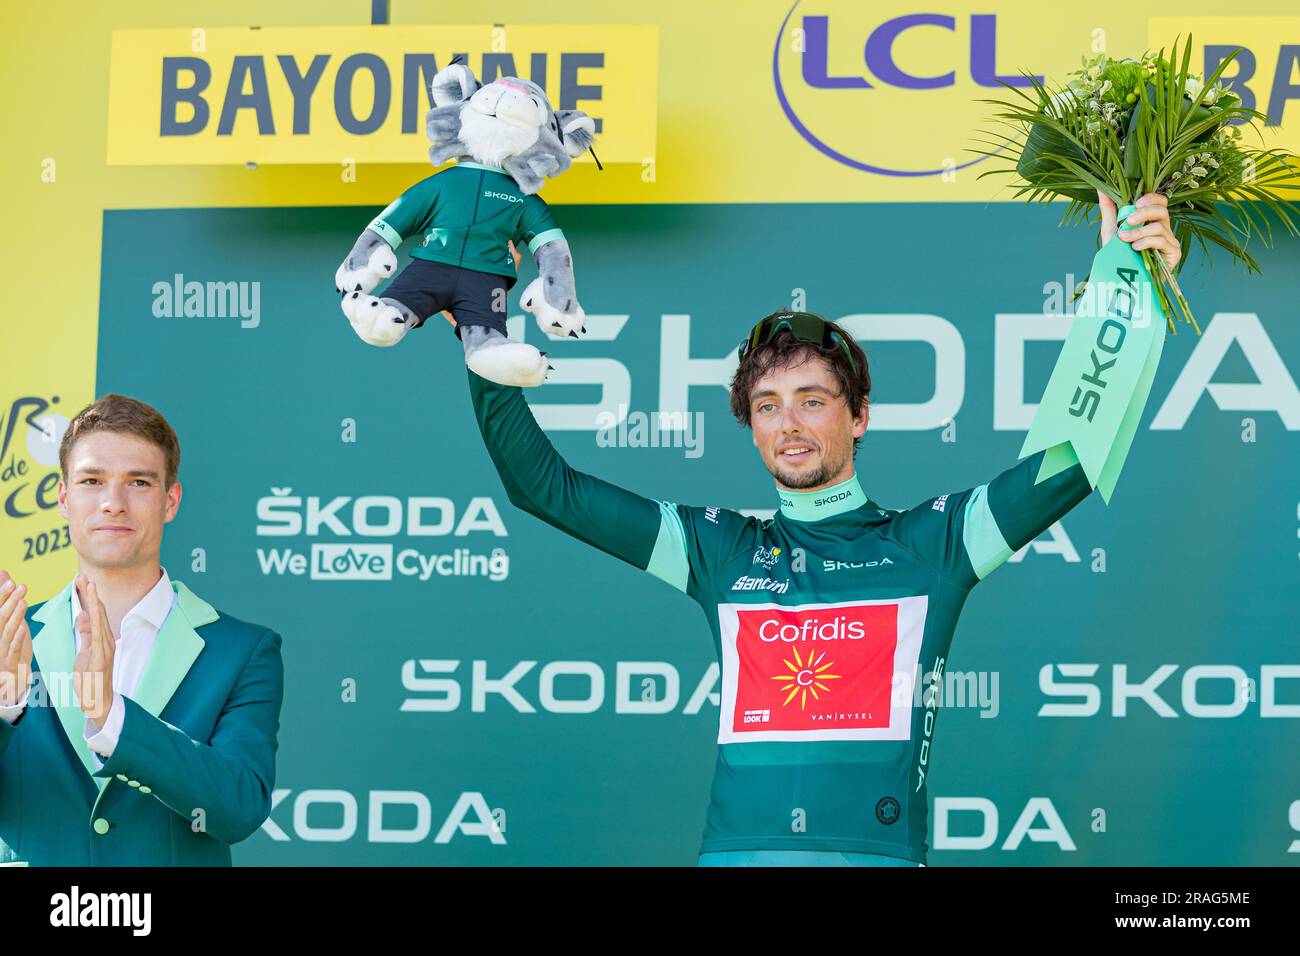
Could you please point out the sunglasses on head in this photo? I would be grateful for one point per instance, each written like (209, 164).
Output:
(804, 326)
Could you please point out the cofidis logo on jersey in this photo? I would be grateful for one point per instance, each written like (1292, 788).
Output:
(819, 671)
(889, 97)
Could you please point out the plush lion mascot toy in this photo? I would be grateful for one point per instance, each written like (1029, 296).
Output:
(506, 139)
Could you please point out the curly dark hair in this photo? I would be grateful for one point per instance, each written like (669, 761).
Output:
(784, 350)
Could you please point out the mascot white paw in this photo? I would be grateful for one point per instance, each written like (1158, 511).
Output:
(362, 275)
(550, 319)
(509, 363)
(375, 321)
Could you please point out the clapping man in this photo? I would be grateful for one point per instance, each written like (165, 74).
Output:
(137, 723)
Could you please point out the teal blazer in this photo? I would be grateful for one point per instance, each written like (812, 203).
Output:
(194, 766)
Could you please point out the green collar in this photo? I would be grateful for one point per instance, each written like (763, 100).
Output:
(816, 505)
(468, 165)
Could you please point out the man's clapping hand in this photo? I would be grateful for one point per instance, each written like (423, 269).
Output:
(93, 667)
(15, 642)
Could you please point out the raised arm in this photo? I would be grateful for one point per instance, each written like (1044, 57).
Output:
(1001, 517)
(646, 533)
(966, 535)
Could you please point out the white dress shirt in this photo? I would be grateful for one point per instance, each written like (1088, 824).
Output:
(133, 646)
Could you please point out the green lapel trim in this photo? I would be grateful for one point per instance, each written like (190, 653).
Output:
(174, 651)
(55, 651)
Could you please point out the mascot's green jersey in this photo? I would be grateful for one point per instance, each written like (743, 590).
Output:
(466, 214)
(831, 620)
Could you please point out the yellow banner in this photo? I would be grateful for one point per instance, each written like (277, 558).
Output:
(1265, 74)
(763, 101)
(358, 94)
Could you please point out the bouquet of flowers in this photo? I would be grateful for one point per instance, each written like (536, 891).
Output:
(1128, 127)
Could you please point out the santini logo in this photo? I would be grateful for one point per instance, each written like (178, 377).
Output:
(102, 909)
(747, 583)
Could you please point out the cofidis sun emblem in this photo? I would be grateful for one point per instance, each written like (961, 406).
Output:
(805, 677)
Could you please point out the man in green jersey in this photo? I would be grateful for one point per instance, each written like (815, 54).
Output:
(820, 614)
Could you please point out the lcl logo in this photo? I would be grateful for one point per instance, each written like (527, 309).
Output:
(881, 69)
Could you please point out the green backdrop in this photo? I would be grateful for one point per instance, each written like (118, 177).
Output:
(1200, 542)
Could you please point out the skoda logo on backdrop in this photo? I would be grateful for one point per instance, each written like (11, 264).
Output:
(846, 106)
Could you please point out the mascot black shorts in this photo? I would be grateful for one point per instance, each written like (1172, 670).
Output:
(426, 288)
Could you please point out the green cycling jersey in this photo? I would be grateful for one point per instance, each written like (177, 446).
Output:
(466, 215)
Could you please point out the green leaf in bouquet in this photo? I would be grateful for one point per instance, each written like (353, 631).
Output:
(1134, 145)
(1039, 161)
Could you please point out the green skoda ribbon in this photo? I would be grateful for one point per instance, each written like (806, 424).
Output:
(1099, 387)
